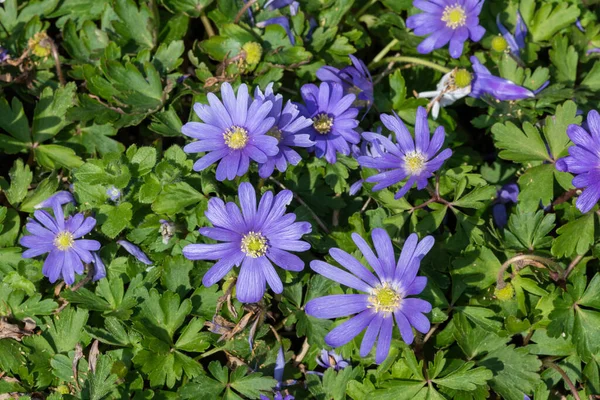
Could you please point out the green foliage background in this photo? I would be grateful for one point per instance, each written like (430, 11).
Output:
(94, 95)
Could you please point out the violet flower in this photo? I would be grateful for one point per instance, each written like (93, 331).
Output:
(355, 79)
(61, 238)
(452, 21)
(334, 119)
(289, 130)
(499, 88)
(254, 238)
(58, 198)
(282, 21)
(508, 194)
(330, 359)
(233, 131)
(135, 251)
(515, 42)
(584, 160)
(3, 54)
(278, 375)
(369, 148)
(113, 193)
(384, 296)
(416, 159)
(99, 267)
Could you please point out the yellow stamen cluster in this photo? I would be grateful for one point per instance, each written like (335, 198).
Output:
(64, 241)
(414, 162)
(275, 132)
(323, 123)
(254, 244)
(40, 45)
(506, 293)
(462, 78)
(385, 299)
(236, 137)
(499, 44)
(454, 16)
(253, 52)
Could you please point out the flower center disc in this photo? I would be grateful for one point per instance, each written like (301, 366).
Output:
(275, 132)
(462, 78)
(454, 16)
(236, 137)
(323, 123)
(254, 244)
(64, 240)
(414, 162)
(385, 299)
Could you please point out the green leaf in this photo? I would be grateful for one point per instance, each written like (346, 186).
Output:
(166, 123)
(586, 335)
(44, 189)
(10, 228)
(549, 19)
(114, 218)
(575, 237)
(591, 296)
(144, 160)
(176, 274)
(165, 367)
(537, 185)
(476, 198)
(564, 60)
(101, 383)
(398, 86)
(528, 230)
(515, 371)
(20, 179)
(251, 385)
(192, 339)
(64, 330)
(14, 121)
(167, 56)
(96, 139)
(53, 156)
(135, 24)
(474, 340)
(555, 128)
(592, 79)
(50, 111)
(520, 145)
(477, 269)
(163, 314)
(140, 93)
(175, 197)
(465, 378)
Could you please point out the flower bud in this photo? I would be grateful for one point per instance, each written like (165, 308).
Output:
(506, 293)
(462, 78)
(253, 52)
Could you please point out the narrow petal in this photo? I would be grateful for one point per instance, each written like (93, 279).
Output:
(221, 268)
(385, 339)
(371, 335)
(336, 306)
(344, 333)
(338, 275)
(251, 283)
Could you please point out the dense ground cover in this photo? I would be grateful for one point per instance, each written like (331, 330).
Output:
(363, 199)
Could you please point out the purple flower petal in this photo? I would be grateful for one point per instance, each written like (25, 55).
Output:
(135, 251)
(335, 306)
(344, 333)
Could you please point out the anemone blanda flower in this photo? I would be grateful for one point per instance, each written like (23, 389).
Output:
(508, 194)
(515, 42)
(584, 160)
(416, 159)
(369, 148)
(499, 88)
(232, 131)
(113, 193)
(282, 21)
(452, 21)
(289, 130)
(278, 375)
(135, 251)
(354, 78)
(453, 86)
(334, 119)
(384, 297)
(61, 238)
(99, 267)
(330, 359)
(254, 238)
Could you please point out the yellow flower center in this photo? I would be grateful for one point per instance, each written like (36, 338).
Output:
(253, 52)
(323, 123)
(236, 137)
(454, 16)
(40, 45)
(254, 244)
(462, 78)
(64, 240)
(275, 132)
(414, 162)
(385, 299)
(499, 44)
(506, 293)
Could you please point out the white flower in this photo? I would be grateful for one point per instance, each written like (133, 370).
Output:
(455, 85)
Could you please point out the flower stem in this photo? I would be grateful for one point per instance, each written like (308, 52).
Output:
(563, 374)
(207, 25)
(383, 52)
(414, 60)
(365, 8)
(524, 260)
